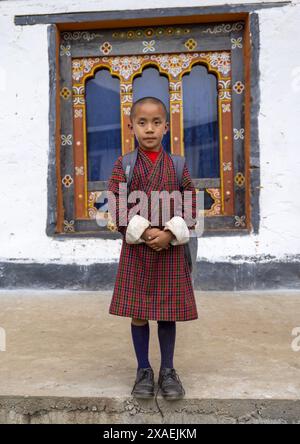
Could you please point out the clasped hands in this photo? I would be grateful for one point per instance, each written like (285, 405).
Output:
(157, 239)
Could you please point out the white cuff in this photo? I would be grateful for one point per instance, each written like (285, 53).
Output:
(179, 228)
(135, 229)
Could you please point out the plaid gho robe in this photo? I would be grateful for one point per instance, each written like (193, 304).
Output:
(149, 284)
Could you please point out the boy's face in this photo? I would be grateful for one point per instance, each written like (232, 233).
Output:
(149, 125)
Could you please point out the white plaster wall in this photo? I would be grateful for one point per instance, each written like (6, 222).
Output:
(24, 139)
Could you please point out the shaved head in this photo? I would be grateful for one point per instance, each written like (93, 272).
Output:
(144, 100)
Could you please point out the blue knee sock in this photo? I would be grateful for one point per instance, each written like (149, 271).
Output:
(140, 337)
(167, 336)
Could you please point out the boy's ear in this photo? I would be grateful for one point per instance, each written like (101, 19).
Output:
(130, 126)
(167, 127)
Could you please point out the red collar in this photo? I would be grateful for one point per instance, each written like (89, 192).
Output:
(152, 154)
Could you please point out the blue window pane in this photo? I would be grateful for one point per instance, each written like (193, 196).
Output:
(201, 134)
(103, 124)
(151, 83)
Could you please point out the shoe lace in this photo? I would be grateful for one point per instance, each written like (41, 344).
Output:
(172, 374)
(156, 402)
(142, 374)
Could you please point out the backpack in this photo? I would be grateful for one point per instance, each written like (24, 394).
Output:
(128, 163)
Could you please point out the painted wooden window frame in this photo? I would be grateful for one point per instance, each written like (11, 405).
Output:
(99, 47)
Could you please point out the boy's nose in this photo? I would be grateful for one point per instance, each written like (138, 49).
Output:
(149, 128)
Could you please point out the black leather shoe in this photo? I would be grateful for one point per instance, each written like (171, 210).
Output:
(144, 383)
(170, 384)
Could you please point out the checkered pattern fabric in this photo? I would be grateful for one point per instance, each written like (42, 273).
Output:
(149, 284)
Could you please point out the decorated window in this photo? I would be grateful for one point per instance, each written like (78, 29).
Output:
(198, 72)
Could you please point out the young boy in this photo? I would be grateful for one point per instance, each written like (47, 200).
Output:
(153, 280)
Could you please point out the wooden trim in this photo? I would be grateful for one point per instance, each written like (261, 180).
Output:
(246, 63)
(126, 93)
(247, 141)
(223, 80)
(100, 185)
(217, 222)
(144, 17)
(176, 118)
(238, 122)
(60, 206)
(80, 164)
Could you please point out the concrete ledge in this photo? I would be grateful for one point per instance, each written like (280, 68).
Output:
(35, 410)
(66, 360)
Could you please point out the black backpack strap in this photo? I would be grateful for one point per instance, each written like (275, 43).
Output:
(128, 162)
(179, 165)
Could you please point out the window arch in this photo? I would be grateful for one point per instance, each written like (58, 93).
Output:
(103, 124)
(151, 83)
(200, 122)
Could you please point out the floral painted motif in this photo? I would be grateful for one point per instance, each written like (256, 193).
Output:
(65, 93)
(149, 46)
(236, 43)
(190, 44)
(175, 108)
(69, 226)
(79, 171)
(126, 111)
(174, 64)
(239, 179)
(65, 50)
(226, 166)
(83, 66)
(106, 48)
(66, 139)
(238, 87)
(67, 180)
(221, 61)
(126, 66)
(226, 107)
(240, 221)
(238, 134)
(78, 113)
